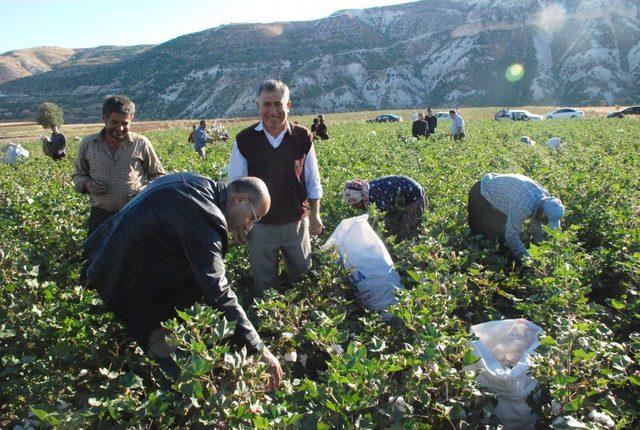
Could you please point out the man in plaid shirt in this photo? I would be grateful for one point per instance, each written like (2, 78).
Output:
(500, 204)
(115, 164)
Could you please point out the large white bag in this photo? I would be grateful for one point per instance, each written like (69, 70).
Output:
(14, 152)
(368, 261)
(504, 348)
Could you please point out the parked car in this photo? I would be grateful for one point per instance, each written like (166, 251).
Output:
(525, 115)
(565, 113)
(386, 117)
(631, 110)
(502, 114)
(443, 116)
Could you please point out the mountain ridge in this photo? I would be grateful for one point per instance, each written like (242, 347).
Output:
(414, 54)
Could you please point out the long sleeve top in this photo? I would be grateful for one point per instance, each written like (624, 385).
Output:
(518, 197)
(165, 250)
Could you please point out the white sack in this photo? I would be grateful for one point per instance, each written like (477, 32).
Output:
(15, 152)
(368, 261)
(504, 348)
(554, 142)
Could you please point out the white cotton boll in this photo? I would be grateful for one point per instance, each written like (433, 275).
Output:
(286, 336)
(303, 359)
(602, 418)
(291, 356)
(372, 132)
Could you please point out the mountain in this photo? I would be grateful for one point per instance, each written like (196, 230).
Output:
(432, 52)
(31, 61)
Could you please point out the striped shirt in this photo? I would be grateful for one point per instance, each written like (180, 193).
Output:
(125, 174)
(518, 197)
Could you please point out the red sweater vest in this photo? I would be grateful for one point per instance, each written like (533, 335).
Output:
(281, 168)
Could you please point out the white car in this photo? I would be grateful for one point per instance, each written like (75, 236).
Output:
(442, 116)
(524, 115)
(565, 113)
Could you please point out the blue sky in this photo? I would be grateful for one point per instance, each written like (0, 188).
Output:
(87, 23)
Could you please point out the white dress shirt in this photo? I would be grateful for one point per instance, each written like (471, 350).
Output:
(238, 164)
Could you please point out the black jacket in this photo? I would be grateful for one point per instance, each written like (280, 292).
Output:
(164, 250)
(432, 123)
(419, 128)
(322, 131)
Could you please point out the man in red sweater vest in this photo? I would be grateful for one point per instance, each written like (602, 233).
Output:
(282, 155)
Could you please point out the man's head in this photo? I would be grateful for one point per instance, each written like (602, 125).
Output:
(551, 211)
(273, 103)
(321, 118)
(203, 123)
(452, 113)
(429, 111)
(421, 116)
(248, 201)
(117, 114)
(193, 127)
(54, 128)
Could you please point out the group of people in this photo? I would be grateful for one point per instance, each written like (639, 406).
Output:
(425, 125)
(157, 241)
(319, 128)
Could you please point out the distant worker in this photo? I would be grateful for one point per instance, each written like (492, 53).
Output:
(500, 204)
(201, 138)
(432, 122)
(401, 197)
(323, 132)
(165, 251)
(56, 146)
(314, 126)
(115, 164)
(191, 138)
(457, 125)
(419, 127)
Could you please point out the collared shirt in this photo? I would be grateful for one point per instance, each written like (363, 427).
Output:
(457, 123)
(518, 197)
(238, 164)
(200, 137)
(126, 173)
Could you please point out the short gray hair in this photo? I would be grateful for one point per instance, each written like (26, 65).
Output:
(271, 85)
(254, 187)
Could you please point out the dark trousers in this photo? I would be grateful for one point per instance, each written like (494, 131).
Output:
(483, 218)
(97, 217)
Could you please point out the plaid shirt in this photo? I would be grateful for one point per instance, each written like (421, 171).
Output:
(125, 174)
(518, 197)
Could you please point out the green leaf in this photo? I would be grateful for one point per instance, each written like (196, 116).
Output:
(469, 357)
(548, 341)
(617, 304)
(634, 380)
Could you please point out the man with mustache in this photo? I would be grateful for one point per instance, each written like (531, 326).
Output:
(115, 164)
(280, 153)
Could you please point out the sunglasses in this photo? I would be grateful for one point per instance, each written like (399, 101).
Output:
(255, 216)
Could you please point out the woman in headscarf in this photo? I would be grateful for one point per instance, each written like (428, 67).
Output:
(400, 197)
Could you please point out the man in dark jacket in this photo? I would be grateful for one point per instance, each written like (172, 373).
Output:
(419, 127)
(56, 146)
(322, 131)
(432, 122)
(165, 249)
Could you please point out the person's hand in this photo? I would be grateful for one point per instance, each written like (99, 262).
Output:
(274, 369)
(95, 187)
(315, 225)
(238, 237)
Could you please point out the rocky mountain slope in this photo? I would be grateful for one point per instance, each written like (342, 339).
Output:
(432, 52)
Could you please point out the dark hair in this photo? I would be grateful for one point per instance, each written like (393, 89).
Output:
(271, 85)
(315, 120)
(119, 104)
(452, 111)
